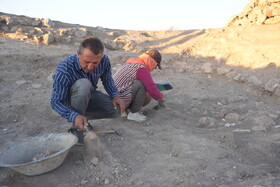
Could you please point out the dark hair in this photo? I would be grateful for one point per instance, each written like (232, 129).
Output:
(93, 44)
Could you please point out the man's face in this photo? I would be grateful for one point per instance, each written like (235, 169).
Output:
(89, 61)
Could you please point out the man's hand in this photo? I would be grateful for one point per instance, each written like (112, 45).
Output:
(80, 122)
(117, 101)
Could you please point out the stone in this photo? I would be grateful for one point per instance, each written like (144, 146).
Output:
(261, 19)
(208, 68)
(81, 33)
(254, 80)
(36, 23)
(50, 77)
(259, 128)
(10, 21)
(23, 22)
(242, 130)
(14, 28)
(36, 85)
(272, 20)
(111, 45)
(263, 121)
(112, 33)
(39, 30)
(222, 71)
(106, 181)
(67, 39)
(20, 82)
(272, 84)
(238, 77)
(207, 121)
(48, 38)
(4, 28)
(84, 181)
(230, 124)
(48, 23)
(277, 91)
(231, 74)
(232, 116)
(94, 161)
(38, 39)
(130, 45)
(224, 101)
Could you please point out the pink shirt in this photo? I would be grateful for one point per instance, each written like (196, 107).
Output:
(146, 78)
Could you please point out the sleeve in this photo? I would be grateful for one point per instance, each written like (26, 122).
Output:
(107, 79)
(146, 78)
(60, 92)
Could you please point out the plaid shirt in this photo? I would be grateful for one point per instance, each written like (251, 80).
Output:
(124, 79)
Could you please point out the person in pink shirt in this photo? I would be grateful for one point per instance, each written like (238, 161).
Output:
(135, 84)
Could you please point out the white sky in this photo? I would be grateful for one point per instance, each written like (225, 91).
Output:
(131, 14)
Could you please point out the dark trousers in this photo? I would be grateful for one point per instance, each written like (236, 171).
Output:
(139, 97)
(93, 104)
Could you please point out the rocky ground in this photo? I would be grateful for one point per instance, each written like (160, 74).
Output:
(221, 127)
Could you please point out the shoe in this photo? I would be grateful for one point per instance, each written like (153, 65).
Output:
(136, 117)
(79, 134)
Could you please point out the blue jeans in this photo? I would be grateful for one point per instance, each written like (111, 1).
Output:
(90, 103)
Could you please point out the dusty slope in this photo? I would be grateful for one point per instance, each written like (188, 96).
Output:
(221, 128)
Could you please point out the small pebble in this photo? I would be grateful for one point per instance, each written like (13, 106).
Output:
(20, 82)
(94, 161)
(229, 124)
(84, 181)
(106, 181)
(36, 85)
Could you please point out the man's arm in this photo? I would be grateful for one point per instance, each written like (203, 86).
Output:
(60, 92)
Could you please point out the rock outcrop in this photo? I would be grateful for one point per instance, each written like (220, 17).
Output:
(41, 31)
(47, 32)
(258, 12)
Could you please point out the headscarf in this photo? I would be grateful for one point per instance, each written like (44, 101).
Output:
(145, 60)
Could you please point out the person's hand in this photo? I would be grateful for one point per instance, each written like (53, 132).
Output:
(117, 101)
(161, 105)
(80, 122)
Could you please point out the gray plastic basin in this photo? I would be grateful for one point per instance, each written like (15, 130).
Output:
(37, 155)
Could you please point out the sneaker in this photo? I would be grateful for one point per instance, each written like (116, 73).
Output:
(136, 117)
(79, 134)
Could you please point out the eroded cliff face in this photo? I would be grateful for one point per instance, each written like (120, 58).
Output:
(258, 12)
